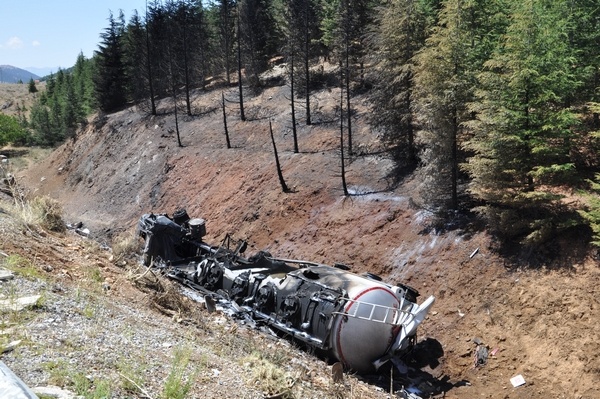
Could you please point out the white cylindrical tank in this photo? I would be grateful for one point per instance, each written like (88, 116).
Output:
(366, 330)
(367, 326)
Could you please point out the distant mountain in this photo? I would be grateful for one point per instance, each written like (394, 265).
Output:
(43, 72)
(11, 74)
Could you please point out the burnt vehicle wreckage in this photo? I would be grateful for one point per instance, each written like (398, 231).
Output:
(358, 320)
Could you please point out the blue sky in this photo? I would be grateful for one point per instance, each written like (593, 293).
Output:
(49, 34)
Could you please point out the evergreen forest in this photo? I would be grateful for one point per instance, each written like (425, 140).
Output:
(493, 104)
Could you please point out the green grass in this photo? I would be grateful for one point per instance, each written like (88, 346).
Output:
(131, 371)
(181, 378)
(22, 266)
(62, 374)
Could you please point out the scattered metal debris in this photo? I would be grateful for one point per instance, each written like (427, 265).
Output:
(481, 352)
(79, 229)
(359, 320)
(407, 395)
(481, 355)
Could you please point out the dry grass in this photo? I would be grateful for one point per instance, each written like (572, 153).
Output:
(39, 213)
(48, 213)
(15, 95)
(271, 378)
(20, 158)
(32, 213)
(126, 247)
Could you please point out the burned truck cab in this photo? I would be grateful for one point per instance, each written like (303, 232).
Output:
(171, 238)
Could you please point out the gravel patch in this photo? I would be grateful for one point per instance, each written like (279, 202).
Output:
(84, 340)
(98, 345)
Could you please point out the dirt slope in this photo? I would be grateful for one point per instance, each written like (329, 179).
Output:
(541, 322)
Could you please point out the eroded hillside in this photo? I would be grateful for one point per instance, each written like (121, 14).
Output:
(539, 323)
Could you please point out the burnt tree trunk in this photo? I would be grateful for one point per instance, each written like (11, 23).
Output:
(344, 186)
(284, 186)
(148, 63)
(348, 109)
(225, 120)
(306, 62)
(294, 131)
(239, 54)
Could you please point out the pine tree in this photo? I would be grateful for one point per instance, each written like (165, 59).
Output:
(185, 26)
(157, 30)
(222, 18)
(302, 31)
(400, 32)
(138, 64)
(50, 87)
(32, 88)
(201, 44)
(444, 84)
(40, 123)
(83, 85)
(522, 133)
(349, 26)
(583, 29)
(258, 35)
(592, 212)
(110, 80)
(72, 113)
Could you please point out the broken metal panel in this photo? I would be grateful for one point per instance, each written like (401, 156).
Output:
(359, 320)
(11, 386)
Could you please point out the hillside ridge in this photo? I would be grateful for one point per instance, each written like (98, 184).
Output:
(125, 164)
(12, 74)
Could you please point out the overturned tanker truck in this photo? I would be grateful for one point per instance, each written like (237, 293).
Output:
(358, 320)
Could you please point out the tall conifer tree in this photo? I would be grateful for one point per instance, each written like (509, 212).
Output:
(444, 84)
(258, 35)
(110, 80)
(400, 32)
(523, 129)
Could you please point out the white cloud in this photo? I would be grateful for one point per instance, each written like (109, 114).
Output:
(35, 43)
(14, 43)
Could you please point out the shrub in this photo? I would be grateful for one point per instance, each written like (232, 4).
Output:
(11, 131)
(48, 213)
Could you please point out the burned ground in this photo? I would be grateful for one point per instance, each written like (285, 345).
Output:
(539, 323)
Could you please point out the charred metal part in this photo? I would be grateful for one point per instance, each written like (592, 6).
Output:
(359, 320)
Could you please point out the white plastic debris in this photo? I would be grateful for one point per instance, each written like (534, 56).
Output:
(517, 381)
(474, 253)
